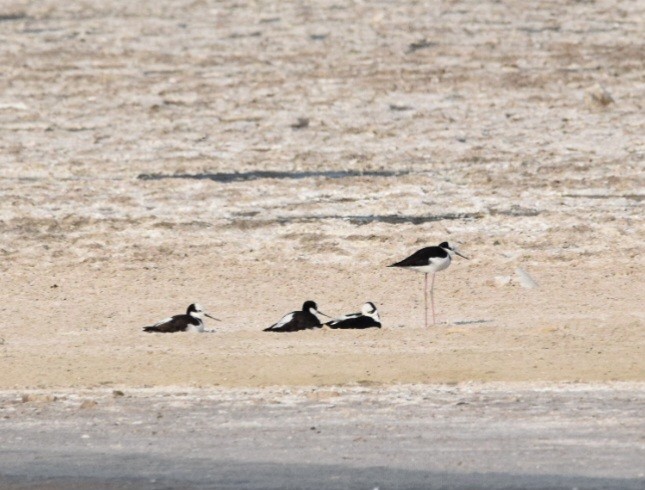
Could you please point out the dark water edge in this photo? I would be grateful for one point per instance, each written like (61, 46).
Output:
(631, 197)
(11, 17)
(249, 219)
(357, 220)
(229, 177)
(392, 219)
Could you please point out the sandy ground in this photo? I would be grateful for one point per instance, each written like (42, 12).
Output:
(480, 122)
(133, 141)
(472, 436)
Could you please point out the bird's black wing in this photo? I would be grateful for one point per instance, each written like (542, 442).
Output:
(344, 317)
(421, 257)
(297, 320)
(304, 320)
(355, 322)
(282, 323)
(169, 325)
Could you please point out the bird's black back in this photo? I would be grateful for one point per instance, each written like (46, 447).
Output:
(177, 323)
(421, 257)
(357, 322)
(302, 320)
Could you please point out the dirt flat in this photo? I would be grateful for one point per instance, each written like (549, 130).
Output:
(541, 340)
(468, 436)
(313, 145)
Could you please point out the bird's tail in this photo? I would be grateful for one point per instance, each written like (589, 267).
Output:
(269, 329)
(151, 329)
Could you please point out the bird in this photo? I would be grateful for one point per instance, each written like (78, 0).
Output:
(367, 318)
(190, 322)
(430, 260)
(298, 320)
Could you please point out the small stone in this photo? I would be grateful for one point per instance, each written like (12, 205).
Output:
(301, 123)
(421, 44)
(501, 281)
(88, 404)
(117, 393)
(38, 398)
(322, 395)
(598, 96)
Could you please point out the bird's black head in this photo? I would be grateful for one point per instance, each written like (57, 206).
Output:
(452, 248)
(308, 305)
(195, 310)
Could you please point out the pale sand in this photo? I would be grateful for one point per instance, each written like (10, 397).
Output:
(495, 122)
(87, 333)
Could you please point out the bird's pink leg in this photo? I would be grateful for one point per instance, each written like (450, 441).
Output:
(425, 297)
(432, 296)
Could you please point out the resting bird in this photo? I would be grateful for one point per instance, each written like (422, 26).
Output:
(298, 320)
(367, 318)
(190, 322)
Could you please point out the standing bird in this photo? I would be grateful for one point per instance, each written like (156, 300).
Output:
(430, 260)
(368, 317)
(190, 322)
(299, 320)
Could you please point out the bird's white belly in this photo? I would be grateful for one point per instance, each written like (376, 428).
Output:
(195, 328)
(435, 265)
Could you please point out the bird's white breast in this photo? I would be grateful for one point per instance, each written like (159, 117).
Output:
(436, 264)
(195, 328)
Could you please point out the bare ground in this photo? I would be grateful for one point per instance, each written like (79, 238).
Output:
(384, 126)
(492, 117)
(469, 436)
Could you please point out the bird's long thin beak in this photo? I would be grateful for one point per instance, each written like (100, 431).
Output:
(216, 319)
(461, 255)
(321, 313)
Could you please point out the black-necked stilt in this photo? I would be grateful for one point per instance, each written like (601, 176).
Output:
(190, 322)
(368, 317)
(430, 260)
(298, 320)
